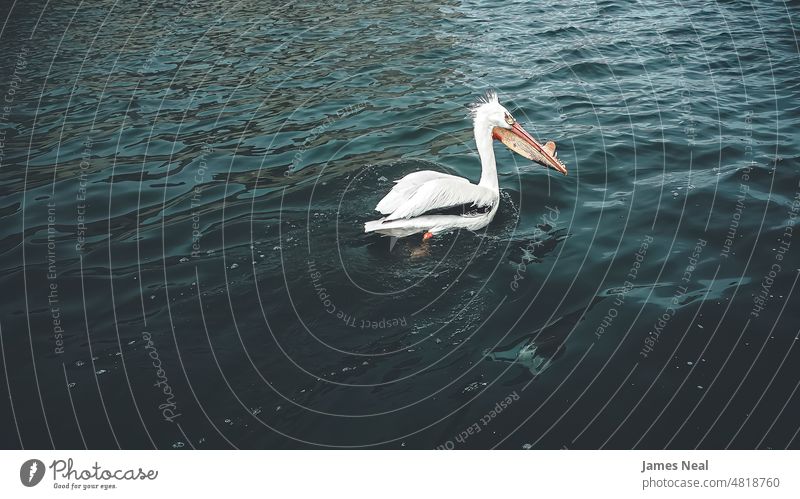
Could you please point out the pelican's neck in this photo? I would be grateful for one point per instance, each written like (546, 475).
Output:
(483, 140)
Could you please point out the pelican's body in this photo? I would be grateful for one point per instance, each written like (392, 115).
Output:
(433, 202)
(418, 203)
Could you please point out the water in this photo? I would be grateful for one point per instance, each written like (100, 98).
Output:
(184, 187)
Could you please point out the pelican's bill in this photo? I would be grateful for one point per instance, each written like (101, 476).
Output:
(528, 147)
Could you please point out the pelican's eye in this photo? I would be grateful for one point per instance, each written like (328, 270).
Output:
(509, 119)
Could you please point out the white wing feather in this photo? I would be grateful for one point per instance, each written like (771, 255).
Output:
(406, 187)
(442, 193)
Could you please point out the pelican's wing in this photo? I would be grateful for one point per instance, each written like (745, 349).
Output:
(406, 187)
(443, 193)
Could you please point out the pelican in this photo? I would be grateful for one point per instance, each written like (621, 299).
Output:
(433, 202)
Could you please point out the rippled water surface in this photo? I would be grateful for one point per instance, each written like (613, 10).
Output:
(184, 187)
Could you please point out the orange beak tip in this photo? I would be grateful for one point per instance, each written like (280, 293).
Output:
(427, 236)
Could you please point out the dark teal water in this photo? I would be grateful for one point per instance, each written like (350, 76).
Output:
(184, 187)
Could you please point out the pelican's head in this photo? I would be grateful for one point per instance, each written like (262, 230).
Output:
(489, 113)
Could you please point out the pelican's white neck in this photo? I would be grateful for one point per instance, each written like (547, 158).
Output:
(483, 140)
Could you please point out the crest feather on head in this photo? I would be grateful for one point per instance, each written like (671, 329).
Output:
(490, 97)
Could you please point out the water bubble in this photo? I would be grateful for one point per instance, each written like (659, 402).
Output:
(471, 387)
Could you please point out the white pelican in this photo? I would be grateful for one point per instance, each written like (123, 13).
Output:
(433, 202)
